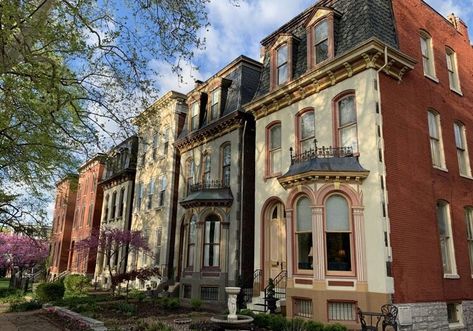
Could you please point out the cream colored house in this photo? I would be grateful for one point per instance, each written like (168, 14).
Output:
(214, 234)
(118, 182)
(156, 181)
(321, 227)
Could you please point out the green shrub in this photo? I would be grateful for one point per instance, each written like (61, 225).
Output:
(76, 284)
(25, 306)
(262, 320)
(313, 326)
(6, 292)
(137, 294)
(168, 303)
(247, 312)
(296, 325)
(50, 292)
(174, 303)
(335, 327)
(128, 309)
(277, 323)
(196, 304)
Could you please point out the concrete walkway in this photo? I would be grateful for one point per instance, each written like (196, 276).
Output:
(27, 321)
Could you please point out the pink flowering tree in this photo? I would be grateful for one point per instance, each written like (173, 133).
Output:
(114, 246)
(20, 252)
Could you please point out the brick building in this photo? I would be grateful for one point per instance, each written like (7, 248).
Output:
(363, 174)
(60, 239)
(87, 215)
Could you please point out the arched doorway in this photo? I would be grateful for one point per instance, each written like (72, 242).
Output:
(275, 239)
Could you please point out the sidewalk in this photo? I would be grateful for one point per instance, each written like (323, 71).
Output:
(27, 321)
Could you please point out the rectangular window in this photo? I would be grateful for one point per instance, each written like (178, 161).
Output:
(212, 244)
(303, 234)
(226, 165)
(190, 175)
(446, 240)
(114, 203)
(347, 124)
(307, 131)
(452, 68)
(191, 231)
(462, 151)
(187, 290)
(435, 140)
(195, 116)
(206, 166)
(162, 192)
(149, 204)
(469, 234)
(427, 55)
(139, 196)
(275, 149)
(157, 256)
(455, 314)
(282, 65)
(166, 141)
(321, 41)
(303, 308)
(122, 202)
(341, 311)
(215, 105)
(208, 293)
(155, 145)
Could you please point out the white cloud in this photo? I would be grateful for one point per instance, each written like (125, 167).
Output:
(463, 8)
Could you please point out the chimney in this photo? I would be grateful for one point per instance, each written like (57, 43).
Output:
(458, 23)
(198, 83)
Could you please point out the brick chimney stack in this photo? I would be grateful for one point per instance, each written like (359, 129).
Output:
(459, 25)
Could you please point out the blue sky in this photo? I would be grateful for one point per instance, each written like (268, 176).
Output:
(239, 30)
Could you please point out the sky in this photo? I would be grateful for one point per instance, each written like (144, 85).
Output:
(237, 30)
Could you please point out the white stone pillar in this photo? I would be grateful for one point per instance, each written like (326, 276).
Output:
(318, 249)
(289, 243)
(360, 244)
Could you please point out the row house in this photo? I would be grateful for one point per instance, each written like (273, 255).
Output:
(155, 199)
(63, 216)
(88, 208)
(214, 234)
(365, 190)
(117, 183)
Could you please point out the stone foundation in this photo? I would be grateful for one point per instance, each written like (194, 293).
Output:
(432, 316)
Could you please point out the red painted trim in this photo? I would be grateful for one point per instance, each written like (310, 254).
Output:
(335, 116)
(297, 119)
(268, 128)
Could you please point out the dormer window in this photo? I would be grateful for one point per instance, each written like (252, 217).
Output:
(321, 42)
(282, 65)
(215, 105)
(195, 116)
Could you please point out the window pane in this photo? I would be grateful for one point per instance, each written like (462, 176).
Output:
(282, 55)
(276, 161)
(307, 125)
(306, 145)
(338, 252)
(275, 137)
(304, 215)
(321, 52)
(424, 47)
(321, 31)
(450, 62)
(458, 136)
(348, 137)
(462, 162)
(282, 74)
(433, 126)
(435, 149)
(304, 244)
(227, 155)
(192, 230)
(347, 112)
(337, 214)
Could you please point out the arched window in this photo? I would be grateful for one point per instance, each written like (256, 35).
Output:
(303, 234)
(191, 239)
(206, 169)
(212, 241)
(226, 164)
(427, 54)
(282, 64)
(338, 234)
(274, 149)
(306, 123)
(347, 135)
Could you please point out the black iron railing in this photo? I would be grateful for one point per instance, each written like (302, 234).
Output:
(208, 185)
(280, 283)
(256, 282)
(320, 152)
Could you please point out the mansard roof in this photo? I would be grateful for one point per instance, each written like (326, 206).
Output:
(121, 161)
(355, 22)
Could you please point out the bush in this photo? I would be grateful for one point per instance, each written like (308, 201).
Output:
(296, 324)
(50, 292)
(25, 306)
(277, 323)
(168, 303)
(196, 304)
(247, 312)
(6, 292)
(76, 284)
(128, 309)
(262, 320)
(335, 327)
(151, 326)
(137, 294)
(313, 326)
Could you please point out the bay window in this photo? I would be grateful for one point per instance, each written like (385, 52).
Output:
(338, 235)
(191, 240)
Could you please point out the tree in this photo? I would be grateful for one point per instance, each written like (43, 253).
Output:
(114, 246)
(72, 72)
(20, 252)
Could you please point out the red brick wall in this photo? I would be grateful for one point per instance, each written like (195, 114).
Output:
(88, 192)
(414, 186)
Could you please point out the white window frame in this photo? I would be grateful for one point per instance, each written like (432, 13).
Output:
(427, 52)
(469, 235)
(448, 261)
(281, 65)
(436, 141)
(452, 68)
(462, 149)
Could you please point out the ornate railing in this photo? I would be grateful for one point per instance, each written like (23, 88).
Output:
(280, 283)
(208, 185)
(320, 152)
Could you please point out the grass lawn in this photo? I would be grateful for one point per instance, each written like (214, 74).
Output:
(4, 282)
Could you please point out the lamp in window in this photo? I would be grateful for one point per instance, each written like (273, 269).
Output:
(311, 253)
(311, 257)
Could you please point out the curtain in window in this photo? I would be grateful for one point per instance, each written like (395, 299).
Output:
(338, 234)
(304, 234)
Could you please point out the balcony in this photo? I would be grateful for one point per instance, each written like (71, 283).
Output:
(216, 193)
(323, 163)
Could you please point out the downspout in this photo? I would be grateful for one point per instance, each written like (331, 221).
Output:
(242, 176)
(381, 146)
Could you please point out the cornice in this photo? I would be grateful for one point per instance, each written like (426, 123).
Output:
(321, 176)
(210, 132)
(168, 99)
(369, 55)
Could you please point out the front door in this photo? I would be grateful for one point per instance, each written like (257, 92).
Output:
(277, 240)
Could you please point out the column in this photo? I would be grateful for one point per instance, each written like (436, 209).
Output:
(289, 243)
(358, 219)
(318, 249)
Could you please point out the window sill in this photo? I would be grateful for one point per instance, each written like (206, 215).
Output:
(440, 168)
(456, 326)
(275, 175)
(451, 276)
(466, 176)
(432, 78)
(456, 91)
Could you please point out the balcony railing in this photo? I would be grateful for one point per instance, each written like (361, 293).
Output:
(209, 185)
(320, 152)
